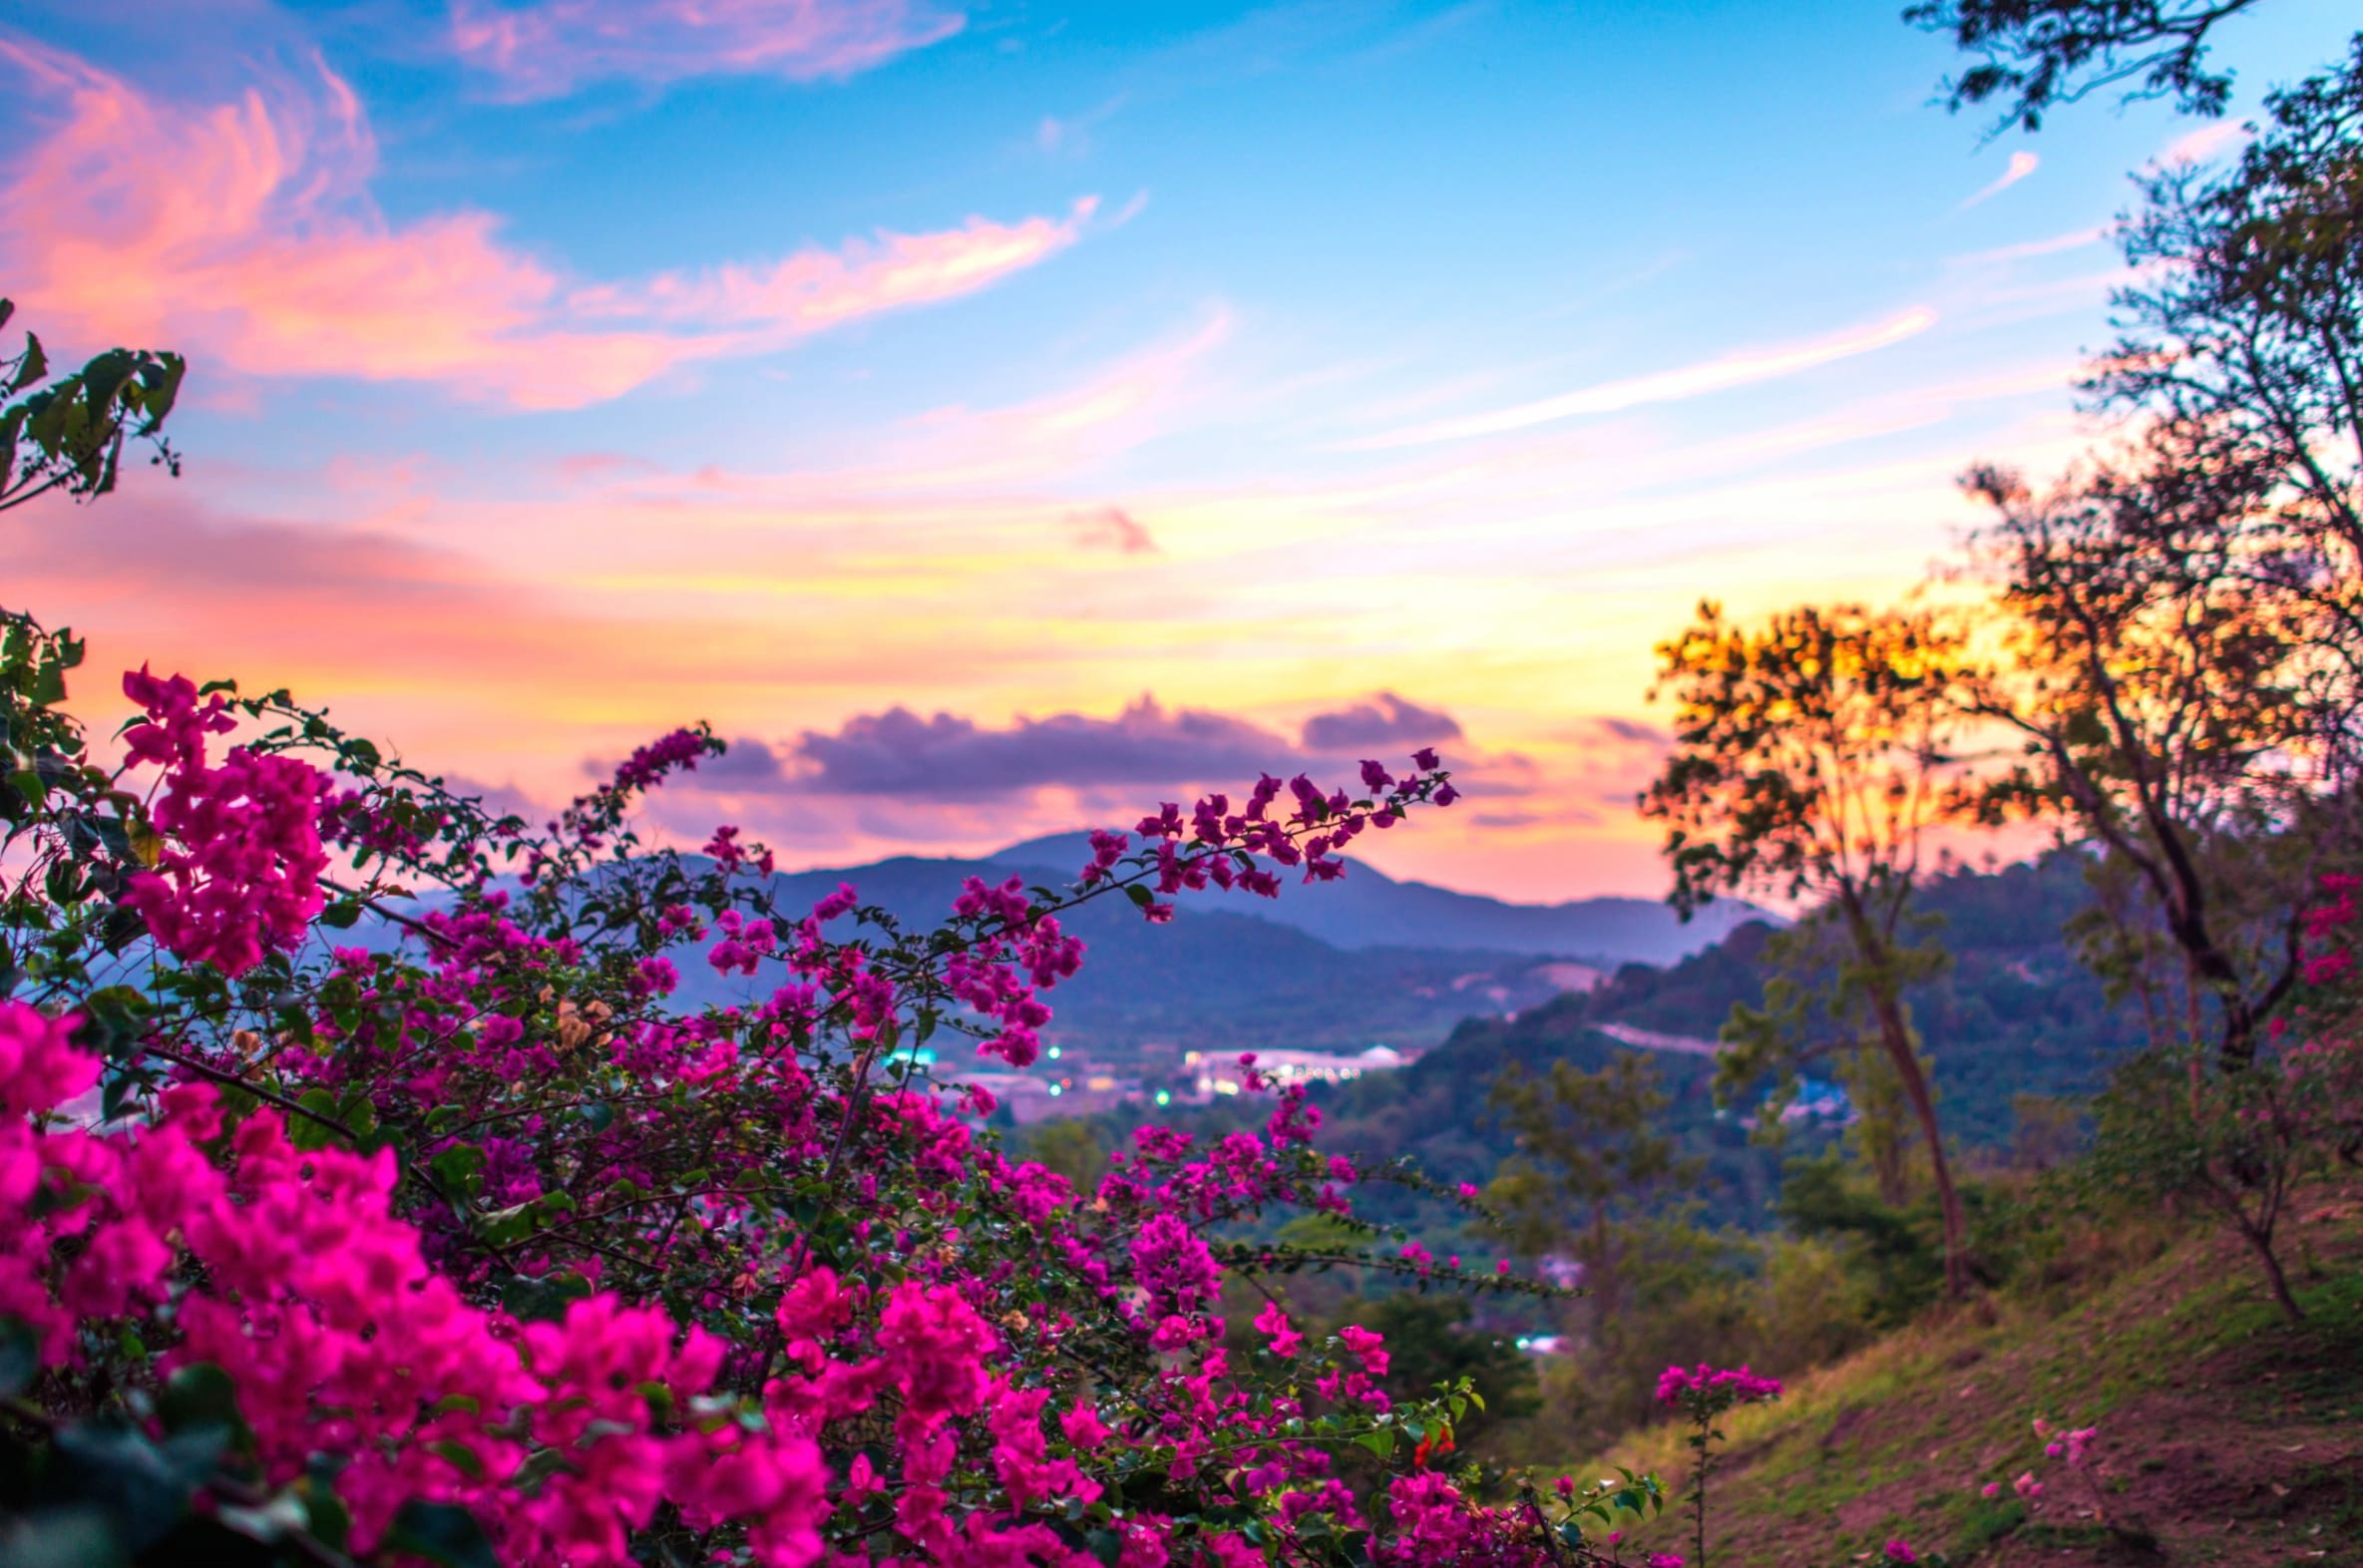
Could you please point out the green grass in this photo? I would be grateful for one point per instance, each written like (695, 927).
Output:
(2232, 1433)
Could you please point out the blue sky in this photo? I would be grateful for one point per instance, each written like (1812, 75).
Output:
(567, 369)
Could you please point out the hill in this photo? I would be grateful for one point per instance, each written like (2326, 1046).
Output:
(1365, 959)
(1370, 909)
(2227, 1435)
(2013, 1015)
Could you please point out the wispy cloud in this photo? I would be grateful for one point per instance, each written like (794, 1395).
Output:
(2202, 143)
(1073, 133)
(2028, 249)
(2022, 164)
(245, 230)
(549, 48)
(1741, 368)
(813, 290)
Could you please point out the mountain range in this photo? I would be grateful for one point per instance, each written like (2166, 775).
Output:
(1342, 964)
(1368, 909)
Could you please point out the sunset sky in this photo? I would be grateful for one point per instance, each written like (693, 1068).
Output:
(1000, 416)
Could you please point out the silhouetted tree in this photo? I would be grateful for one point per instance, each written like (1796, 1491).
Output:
(2243, 336)
(2158, 700)
(2037, 53)
(1812, 757)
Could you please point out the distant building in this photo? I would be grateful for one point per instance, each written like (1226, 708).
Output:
(1208, 1074)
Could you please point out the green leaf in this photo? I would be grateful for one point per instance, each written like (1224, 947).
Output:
(36, 365)
(1140, 894)
(313, 1133)
(543, 1300)
(541, 1464)
(20, 1356)
(460, 1457)
(330, 1521)
(105, 376)
(460, 1169)
(198, 1394)
(443, 1533)
(113, 1020)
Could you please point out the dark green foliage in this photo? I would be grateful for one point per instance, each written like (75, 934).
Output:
(2037, 53)
(69, 434)
(1897, 1250)
(1432, 1341)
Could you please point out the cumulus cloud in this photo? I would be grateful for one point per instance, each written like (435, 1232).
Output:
(244, 231)
(1384, 723)
(950, 761)
(947, 757)
(553, 47)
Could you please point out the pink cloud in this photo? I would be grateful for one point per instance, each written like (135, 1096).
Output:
(549, 48)
(1113, 528)
(2203, 143)
(816, 289)
(2022, 164)
(244, 232)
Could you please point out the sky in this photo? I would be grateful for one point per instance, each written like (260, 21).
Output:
(998, 417)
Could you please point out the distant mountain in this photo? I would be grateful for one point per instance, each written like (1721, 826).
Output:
(1217, 978)
(1368, 909)
(1343, 965)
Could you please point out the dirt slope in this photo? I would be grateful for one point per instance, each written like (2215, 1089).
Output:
(2227, 1436)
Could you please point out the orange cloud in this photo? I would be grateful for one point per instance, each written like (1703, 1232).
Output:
(1738, 369)
(244, 231)
(549, 48)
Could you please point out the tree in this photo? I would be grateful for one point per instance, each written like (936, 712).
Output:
(1812, 758)
(1586, 1155)
(1432, 1344)
(2187, 609)
(1814, 1008)
(2244, 341)
(70, 433)
(2037, 52)
(2158, 697)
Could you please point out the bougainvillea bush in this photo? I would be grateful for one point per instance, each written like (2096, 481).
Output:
(364, 1197)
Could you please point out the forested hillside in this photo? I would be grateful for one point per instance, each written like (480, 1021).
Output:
(2014, 1014)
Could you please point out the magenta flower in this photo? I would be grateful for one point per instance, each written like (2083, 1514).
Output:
(1273, 1323)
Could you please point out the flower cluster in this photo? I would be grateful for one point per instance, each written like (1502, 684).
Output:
(2070, 1448)
(470, 1232)
(240, 867)
(1714, 1388)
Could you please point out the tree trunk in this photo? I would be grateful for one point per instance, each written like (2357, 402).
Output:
(1888, 1009)
(2274, 1276)
(1898, 1040)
